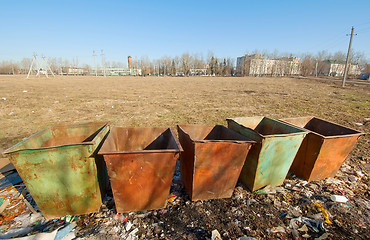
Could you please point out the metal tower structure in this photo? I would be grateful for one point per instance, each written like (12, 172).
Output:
(42, 68)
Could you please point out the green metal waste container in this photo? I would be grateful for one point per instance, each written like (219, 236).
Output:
(59, 168)
(269, 160)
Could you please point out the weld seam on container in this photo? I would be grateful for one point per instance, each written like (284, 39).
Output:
(324, 149)
(141, 164)
(59, 168)
(212, 160)
(269, 160)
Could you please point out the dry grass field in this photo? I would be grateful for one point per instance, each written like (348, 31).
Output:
(35, 103)
(30, 105)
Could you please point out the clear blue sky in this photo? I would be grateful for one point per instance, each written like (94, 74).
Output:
(156, 28)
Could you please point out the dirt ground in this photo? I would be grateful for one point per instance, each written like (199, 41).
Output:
(30, 105)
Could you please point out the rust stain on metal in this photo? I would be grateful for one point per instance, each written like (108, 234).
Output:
(212, 160)
(141, 164)
(324, 149)
(58, 167)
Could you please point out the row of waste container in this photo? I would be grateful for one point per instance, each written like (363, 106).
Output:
(68, 168)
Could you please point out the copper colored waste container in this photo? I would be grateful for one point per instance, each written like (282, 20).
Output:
(212, 160)
(323, 150)
(141, 164)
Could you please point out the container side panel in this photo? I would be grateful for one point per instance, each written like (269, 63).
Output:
(248, 173)
(187, 160)
(197, 132)
(131, 139)
(305, 159)
(272, 127)
(328, 129)
(35, 141)
(62, 181)
(332, 154)
(299, 121)
(72, 134)
(140, 181)
(220, 132)
(276, 157)
(249, 122)
(164, 141)
(249, 133)
(217, 168)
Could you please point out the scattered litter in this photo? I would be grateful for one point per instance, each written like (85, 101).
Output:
(276, 230)
(25, 91)
(324, 212)
(360, 174)
(267, 190)
(338, 198)
(303, 229)
(216, 235)
(3, 98)
(11, 113)
(172, 198)
(358, 124)
(128, 226)
(246, 238)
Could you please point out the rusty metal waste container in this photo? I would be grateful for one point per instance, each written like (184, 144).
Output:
(141, 164)
(59, 168)
(269, 160)
(323, 150)
(212, 160)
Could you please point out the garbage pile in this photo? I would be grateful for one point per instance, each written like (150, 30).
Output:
(94, 181)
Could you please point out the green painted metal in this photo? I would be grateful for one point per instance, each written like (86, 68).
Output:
(59, 168)
(269, 160)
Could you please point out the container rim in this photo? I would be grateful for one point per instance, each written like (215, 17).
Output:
(358, 133)
(215, 141)
(300, 132)
(103, 124)
(146, 151)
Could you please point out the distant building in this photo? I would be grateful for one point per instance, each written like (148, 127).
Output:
(256, 65)
(73, 71)
(122, 71)
(336, 68)
(198, 71)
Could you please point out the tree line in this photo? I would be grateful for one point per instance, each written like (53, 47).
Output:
(190, 64)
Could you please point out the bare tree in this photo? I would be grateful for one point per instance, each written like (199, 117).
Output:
(339, 56)
(308, 64)
(185, 61)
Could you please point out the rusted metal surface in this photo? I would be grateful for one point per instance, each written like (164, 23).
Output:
(269, 160)
(212, 160)
(58, 167)
(141, 164)
(323, 150)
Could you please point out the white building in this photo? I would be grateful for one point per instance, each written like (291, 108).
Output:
(256, 65)
(336, 68)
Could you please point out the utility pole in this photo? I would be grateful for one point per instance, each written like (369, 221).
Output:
(96, 68)
(347, 60)
(103, 62)
(316, 68)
